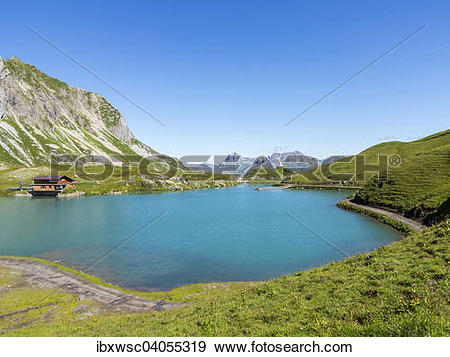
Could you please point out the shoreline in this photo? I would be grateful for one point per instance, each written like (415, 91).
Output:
(77, 193)
(393, 219)
(80, 280)
(80, 193)
(321, 187)
(43, 274)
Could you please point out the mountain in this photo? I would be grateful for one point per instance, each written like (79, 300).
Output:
(243, 166)
(294, 160)
(235, 163)
(41, 116)
(331, 159)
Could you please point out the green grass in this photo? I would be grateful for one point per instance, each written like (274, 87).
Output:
(22, 306)
(32, 75)
(187, 293)
(11, 174)
(382, 293)
(420, 185)
(153, 182)
(109, 114)
(28, 145)
(417, 188)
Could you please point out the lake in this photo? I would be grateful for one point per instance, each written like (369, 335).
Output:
(236, 234)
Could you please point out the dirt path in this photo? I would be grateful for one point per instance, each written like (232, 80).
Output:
(45, 276)
(413, 224)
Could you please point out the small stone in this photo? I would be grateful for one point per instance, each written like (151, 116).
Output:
(79, 309)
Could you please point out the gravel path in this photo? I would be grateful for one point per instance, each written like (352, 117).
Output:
(413, 224)
(49, 277)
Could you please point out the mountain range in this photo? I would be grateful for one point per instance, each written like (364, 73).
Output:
(293, 160)
(41, 116)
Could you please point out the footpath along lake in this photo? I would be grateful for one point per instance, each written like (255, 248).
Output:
(236, 233)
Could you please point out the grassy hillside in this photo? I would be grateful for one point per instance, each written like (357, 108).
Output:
(417, 188)
(382, 293)
(120, 181)
(420, 185)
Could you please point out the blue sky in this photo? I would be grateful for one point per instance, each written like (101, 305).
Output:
(227, 75)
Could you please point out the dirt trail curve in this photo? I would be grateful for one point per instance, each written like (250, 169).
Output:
(413, 224)
(45, 276)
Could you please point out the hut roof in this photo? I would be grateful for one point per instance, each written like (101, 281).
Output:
(52, 178)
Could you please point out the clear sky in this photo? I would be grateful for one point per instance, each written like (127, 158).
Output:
(227, 75)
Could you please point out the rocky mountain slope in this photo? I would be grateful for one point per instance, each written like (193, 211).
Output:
(295, 161)
(41, 116)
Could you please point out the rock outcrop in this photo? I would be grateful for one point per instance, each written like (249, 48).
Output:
(41, 116)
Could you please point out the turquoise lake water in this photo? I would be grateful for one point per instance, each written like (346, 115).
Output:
(207, 235)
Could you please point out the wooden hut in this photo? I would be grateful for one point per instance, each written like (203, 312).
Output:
(50, 185)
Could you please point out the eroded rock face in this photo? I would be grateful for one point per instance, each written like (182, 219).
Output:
(41, 116)
(3, 74)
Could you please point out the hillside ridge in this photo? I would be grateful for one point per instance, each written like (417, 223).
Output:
(418, 186)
